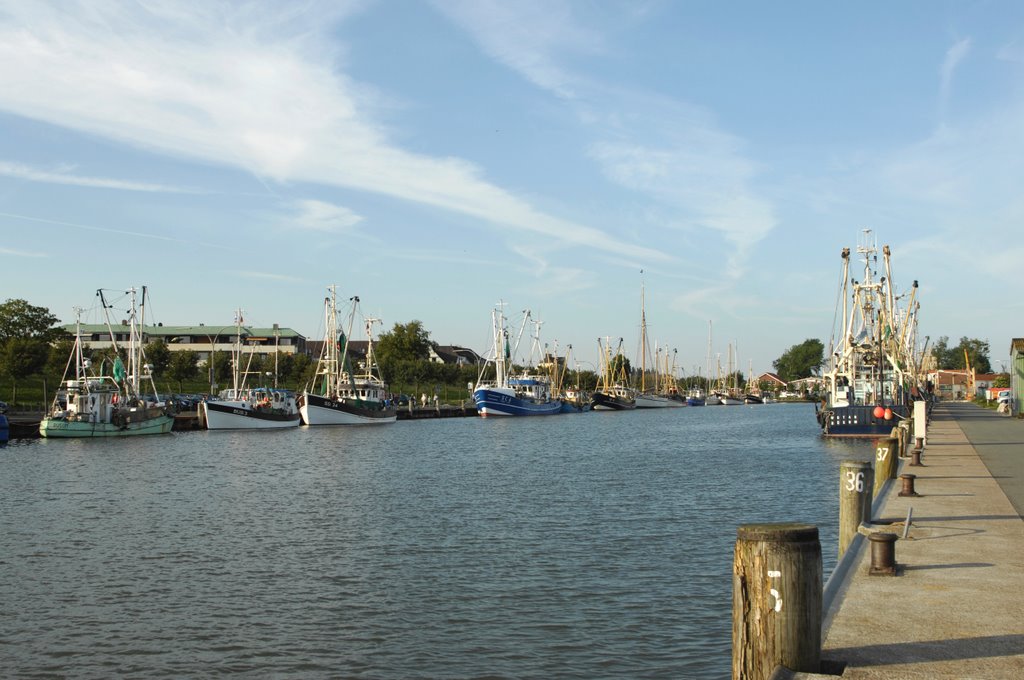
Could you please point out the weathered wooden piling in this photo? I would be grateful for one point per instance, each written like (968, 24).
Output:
(856, 493)
(885, 461)
(776, 602)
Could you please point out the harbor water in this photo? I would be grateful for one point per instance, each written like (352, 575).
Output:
(596, 545)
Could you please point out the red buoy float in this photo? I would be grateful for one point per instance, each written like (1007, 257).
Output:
(879, 412)
(888, 414)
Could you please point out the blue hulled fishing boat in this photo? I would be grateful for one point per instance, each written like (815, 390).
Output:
(526, 394)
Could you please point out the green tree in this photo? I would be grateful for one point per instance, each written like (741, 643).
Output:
(183, 367)
(158, 355)
(21, 358)
(403, 342)
(800, 361)
(19, 319)
(944, 355)
(953, 358)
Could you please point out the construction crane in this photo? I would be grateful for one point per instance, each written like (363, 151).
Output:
(970, 375)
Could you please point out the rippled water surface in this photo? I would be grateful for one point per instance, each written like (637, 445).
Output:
(580, 546)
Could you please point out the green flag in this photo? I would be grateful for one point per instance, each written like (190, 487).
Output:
(119, 371)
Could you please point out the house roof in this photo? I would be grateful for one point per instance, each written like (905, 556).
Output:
(200, 331)
(1017, 344)
(771, 377)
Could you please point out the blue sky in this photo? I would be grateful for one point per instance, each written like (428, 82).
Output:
(437, 157)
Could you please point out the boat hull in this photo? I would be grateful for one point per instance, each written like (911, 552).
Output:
(239, 415)
(611, 402)
(318, 410)
(495, 402)
(575, 406)
(61, 428)
(858, 421)
(695, 401)
(654, 401)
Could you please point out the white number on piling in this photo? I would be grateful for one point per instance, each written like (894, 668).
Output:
(774, 593)
(881, 453)
(855, 481)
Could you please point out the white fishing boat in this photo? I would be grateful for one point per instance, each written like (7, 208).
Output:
(338, 395)
(872, 371)
(249, 408)
(95, 402)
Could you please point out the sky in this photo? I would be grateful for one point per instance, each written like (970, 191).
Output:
(437, 158)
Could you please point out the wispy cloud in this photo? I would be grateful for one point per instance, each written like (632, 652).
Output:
(107, 230)
(63, 176)
(266, 276)
(670, 153)
(321, 216)
(21, 253)
(954, 55)
(253, 86)
(528, 36)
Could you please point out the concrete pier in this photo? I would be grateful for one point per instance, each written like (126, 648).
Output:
(955, 608)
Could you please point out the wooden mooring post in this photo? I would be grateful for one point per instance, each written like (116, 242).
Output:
(856, 493)
(776, 600)
(885, 461)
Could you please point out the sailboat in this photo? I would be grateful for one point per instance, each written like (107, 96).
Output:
(528, 393)
(728, 396)
(613, 394)
(94, 403)
(338, 396)
(871, 378)
(647, 398)
(752, 394)
(249, 408)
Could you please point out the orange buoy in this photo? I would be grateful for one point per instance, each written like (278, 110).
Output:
(879, 412)
(888, 414)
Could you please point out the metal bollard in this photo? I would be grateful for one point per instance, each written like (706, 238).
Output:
(908, 485)
(883, 554)
(915, 458)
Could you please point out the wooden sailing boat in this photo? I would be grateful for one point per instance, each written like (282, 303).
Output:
(647, 397)
(613, 393)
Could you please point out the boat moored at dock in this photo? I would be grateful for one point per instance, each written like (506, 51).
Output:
(338, 395)
(872, 367)
(526, 394)
(95, 403)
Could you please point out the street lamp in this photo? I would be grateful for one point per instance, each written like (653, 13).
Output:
(213, 349)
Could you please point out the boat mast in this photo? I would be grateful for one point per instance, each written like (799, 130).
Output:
(643, 338)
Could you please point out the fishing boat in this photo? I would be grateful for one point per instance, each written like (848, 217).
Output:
(338, 395)
(574, 398)
(872, 367)
(613, 394)
(727, 395)
(243, 407)
(507, 393)
(97, 402)
(668, 386)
